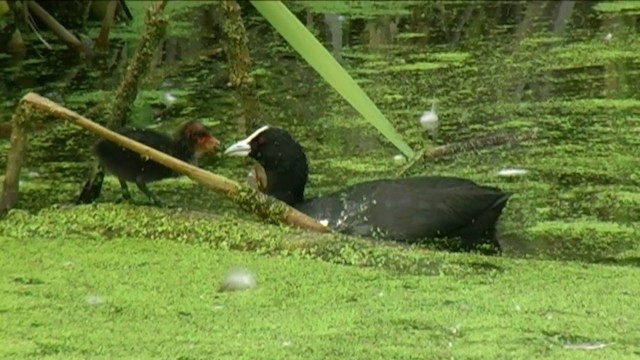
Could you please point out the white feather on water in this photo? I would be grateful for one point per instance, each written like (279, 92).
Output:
(399, 159)
(238, 279)
(596, 345)
(429, 119)
(513, 172)
(94, 300)
(169, 99)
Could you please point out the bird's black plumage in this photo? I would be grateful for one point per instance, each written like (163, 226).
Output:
(407, 210)
(191, 140)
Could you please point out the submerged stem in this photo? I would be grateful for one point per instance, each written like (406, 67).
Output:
(466, 146)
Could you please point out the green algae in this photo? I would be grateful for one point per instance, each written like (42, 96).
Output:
(418, 66)
(178, 13)
(359, 9)
(578, 202)
(617, 6)
(135, 298)
(232, 231)
(586, 240)
(582, 167)
(588, 54)
(452, 57)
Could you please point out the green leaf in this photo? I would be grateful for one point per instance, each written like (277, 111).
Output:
(323, 62)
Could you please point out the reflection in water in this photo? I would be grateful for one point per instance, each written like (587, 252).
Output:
(334, 22)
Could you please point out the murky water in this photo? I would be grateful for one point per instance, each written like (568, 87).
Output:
(568, 71)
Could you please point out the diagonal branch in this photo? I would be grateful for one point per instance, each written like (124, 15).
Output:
(466, 146)
(60, 31)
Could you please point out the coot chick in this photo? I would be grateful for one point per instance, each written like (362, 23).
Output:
(406, 210)
(191, 141)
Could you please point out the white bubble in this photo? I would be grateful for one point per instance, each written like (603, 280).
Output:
(94, 300)
(169, 99)
(513, 172)
(238, 279)
(399, 158)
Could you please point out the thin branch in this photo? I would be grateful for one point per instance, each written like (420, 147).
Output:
(60, 31)
(467, 146)
(102, 42)
(32, 24)
(126, 10)
(235, 41)
(155, 29)
(10, 187)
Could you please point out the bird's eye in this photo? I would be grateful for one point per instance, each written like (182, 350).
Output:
(259, 140)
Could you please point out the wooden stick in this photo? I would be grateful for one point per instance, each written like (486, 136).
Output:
(471, 145)
(11, 183)
(246, 197)
(102, 42)
(60, 31)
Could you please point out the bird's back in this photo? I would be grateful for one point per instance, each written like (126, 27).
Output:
(412, 209)
(129, 165)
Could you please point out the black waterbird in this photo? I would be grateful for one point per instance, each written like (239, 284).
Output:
(405, 210)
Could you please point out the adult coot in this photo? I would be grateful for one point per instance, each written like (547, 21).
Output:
(191, 141)
(407, 210)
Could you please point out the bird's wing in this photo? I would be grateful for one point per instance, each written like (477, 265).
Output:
(152, 139)
(397, 210)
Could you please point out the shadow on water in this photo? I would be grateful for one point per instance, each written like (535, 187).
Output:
(567, 69)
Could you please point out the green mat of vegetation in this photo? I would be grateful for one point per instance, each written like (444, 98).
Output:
(138, 299)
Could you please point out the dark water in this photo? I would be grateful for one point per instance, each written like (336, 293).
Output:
(569, 72)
